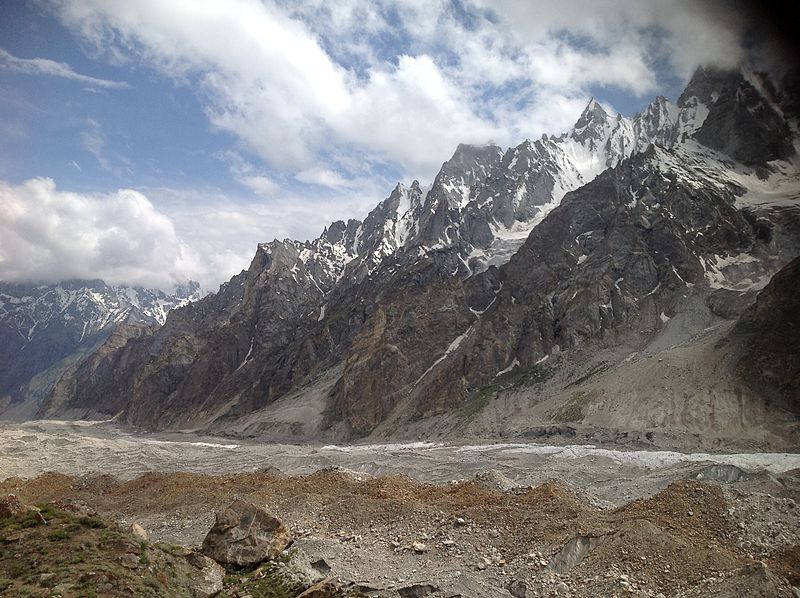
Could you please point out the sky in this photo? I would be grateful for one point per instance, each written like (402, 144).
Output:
(155, 141)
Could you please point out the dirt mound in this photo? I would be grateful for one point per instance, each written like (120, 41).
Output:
(393, 532)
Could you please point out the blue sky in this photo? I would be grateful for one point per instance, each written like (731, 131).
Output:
(146, 142)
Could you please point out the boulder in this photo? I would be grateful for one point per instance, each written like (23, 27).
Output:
(209, 579)
(327, 588)
(245, 535)
(12, 506)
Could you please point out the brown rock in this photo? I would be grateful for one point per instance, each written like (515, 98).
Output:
(327, 588)
(12, 506)
(137, 531)
(245, 535)
(208, 582)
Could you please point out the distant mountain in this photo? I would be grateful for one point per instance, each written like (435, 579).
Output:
(42, 327)
(616, 238)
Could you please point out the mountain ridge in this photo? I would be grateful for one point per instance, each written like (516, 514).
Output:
(43, 325)
(398, 293)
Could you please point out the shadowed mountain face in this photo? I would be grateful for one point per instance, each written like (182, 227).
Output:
(595, 238)
(770, 333)
(45, 327)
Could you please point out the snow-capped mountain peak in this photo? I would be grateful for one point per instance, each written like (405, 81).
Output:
(485, 200)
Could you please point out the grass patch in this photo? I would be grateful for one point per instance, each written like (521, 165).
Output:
(600, 367)
(513, 380)
(144, 559)
(478, 401)
(59, 534)
(574, 410)
(92, 522)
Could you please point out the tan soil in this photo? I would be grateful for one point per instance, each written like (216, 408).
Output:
(476, 540)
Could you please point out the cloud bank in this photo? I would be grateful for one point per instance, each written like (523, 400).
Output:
(49, 235)
(404, 81)
(323, 99)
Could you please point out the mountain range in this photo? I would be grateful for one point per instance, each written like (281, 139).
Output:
(46, 327)
(601, 283)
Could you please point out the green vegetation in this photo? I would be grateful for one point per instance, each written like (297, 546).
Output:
(63, 553)
(574, 410)
(285, 577)
(513, 380)
(600, 367)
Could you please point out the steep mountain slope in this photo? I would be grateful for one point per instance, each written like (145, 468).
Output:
(769, 333)
(414, 312)
(43, 327)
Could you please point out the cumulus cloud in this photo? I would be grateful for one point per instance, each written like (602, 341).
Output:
(298, 81)
(50, 235)
(322, 96)
(45, 66)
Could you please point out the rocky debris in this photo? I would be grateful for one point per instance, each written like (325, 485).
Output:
(495, 480)
(12, 506)
(573, 553)
(209, 580)
(76, 508)
(245, 535)
(365, 530)
(137, 531)
(753, 579)
(762, 523)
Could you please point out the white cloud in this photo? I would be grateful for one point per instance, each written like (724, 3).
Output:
(322, 177)
(94, 143)
(247, 174)
(326, 94)
(299, 81)
(48, 234)
(44, 66)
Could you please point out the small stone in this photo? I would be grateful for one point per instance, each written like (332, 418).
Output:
(418, 547)
(518, 588)
(460, 521)
(138, 531)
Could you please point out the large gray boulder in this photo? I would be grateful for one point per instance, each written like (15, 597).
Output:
(245, 535)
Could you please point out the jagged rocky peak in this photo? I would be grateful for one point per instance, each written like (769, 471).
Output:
(275, 256)
(342, 233)
(190, 290)
(709, 83)
(592, 121)
(471, 162)
(403, 199)
(743, 119)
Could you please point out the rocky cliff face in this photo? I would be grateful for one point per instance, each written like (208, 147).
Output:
(769, 332)
(45, 327)
(592, 238)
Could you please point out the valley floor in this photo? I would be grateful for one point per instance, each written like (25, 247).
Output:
(469, 520)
